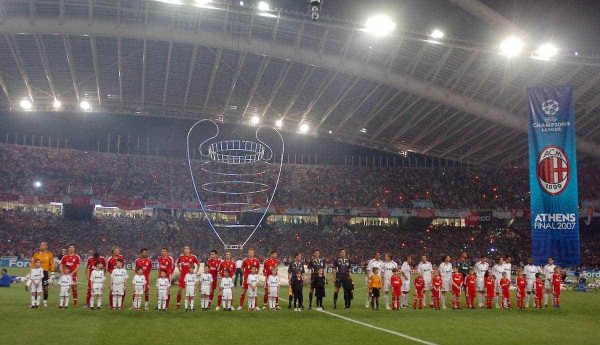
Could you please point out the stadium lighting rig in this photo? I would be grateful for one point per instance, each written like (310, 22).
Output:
(379, 25)
(56, 104)
(26, 104)
(303, 128)
(85, 106)
(437, 34)
(511, 46)
(315, 8)
(545, 52)
(279, 123)
(263, 6)
(255, 120)
(37, 184)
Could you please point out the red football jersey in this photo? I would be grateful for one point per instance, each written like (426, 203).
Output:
(521, 285)
(227, 265)
(556, 280)
(184, 262)
(436, 286)
(91, 263)
(505, 286)
(419, 284)
(213, 266)
(457, 282)
(471, 284)
(247, 265)
(71, 261)
(112, 263)
(145, 264)
(539, 287)
(166, 264)
(490, 286)
(268, 265)
(396, 282)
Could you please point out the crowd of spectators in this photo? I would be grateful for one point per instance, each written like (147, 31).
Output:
(21, 230)
(110, 176)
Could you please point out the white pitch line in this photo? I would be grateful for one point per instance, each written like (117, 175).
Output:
(389, 331)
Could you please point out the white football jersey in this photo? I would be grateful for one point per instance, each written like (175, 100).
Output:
(190, 279)
(227, 283)
(445, 270)
(549, 271)
(405, 269)
(481, 268)
(65, 280)
(425, 269)
(374, 264)
(252, 280)
(36, 275)
(97, 277)
(119, 275)
(162, 284)
(206, 279)
(530, 271)
(508, 268)
(138, 281)
(497, 271)
(273, 281)
(388, 267)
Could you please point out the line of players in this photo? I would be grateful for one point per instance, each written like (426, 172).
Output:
(489, 284)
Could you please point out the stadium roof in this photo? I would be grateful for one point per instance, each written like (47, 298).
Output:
(453, 98)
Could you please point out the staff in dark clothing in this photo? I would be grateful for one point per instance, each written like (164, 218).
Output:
(318, 282)
(297, 284)
(315, 264)
(295, 266)
(341, 272)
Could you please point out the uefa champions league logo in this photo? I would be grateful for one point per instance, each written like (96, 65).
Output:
(551, 108)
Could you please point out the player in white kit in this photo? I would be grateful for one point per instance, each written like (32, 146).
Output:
(118, 281)
(35, 284)
(163, 286)
(139, 288)
(206, 280)
(373, 263)
(387, 272)
(64, 282)
(530, 271)
(481, 267)
(190, 280)
(426, 268)
(226, 290)
(252, 289)
(548, 272)
(273, 283)
(498, 271)
(405, 271)
(97, 281)
(445, 269)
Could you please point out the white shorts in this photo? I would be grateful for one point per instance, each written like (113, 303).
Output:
(387, 284)
(274, 292)
(480, 284)
(138, 290)
(529, 286)
(548, 284)
(39, 288)
(252, 292)
(97, 289)
(205, 289)
(405, 285)
(427, 284)
(227, 294)
(162, 294)
(446, 284)
(65, 291)
(497, 285)
(118, 289)
(190, 291)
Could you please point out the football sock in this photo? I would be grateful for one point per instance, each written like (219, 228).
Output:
(310, 297)
(75, 295)
(335, 298)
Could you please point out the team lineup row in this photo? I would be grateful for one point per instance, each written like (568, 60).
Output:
(488, 284)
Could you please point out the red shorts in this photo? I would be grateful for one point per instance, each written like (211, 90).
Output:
(455, 291)
(556, 290)
(397, 291)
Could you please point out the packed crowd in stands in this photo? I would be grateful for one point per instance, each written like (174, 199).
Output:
(110, 176)
(22, 230)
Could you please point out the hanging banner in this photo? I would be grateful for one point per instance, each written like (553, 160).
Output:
(553, 176)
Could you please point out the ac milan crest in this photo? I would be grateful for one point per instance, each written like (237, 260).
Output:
(553, 170)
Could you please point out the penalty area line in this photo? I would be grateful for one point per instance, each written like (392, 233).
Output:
(402, 335)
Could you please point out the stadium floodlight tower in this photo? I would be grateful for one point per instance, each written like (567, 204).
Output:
(235, 180)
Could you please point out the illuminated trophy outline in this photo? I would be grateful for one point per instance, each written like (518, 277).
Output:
(227, 186)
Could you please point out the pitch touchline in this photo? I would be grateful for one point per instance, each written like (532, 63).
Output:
(402, 335)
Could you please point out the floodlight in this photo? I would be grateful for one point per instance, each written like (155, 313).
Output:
(546, 51)
(25, 104)
(437, 34)
(255, 120)
(279, 123)
(511, 47)
(85, 105)
(37, 184)
(263, 6)
(379, 25)
(56, 104)
(363, 130)
(304, 128)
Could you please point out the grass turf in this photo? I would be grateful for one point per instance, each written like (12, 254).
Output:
(576, 323)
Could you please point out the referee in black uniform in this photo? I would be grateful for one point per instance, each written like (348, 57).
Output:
(315, 264)
(341, 271)
(295, 266)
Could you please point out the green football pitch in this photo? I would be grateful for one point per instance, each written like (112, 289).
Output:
(577, 322)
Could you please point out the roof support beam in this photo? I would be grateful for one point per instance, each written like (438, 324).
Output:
(166, 82)
(14, 49)
(487, 14)
(96, 68)
(71, 63)
(308, 71)
(236, 75)
(189, 77)
(280, 78)
(144, 49)
(39, 42)
(4, 88)
(120, 69)
(263, 67)
(355, 109)
(323, 87)
(347, 88)
(220, 40)
(212, 78)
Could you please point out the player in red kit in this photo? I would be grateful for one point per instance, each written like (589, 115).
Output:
(184, 262)
(490, 288)
(556, 282)
(144, 262)
(115, 255)
(213, 264)
(247, 264)
(227, 264)
(457, 283)
(72, 261)
(166, 264)
(268, 265)
(396, 284)
(471, 288)
(521, 289)
(538, 287)
(505, 290)
(436, 289)
(419, 284)
(90, 265)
